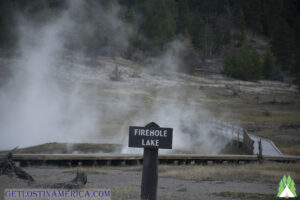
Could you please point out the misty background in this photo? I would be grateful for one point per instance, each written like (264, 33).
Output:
(58, 91)
(83, 71)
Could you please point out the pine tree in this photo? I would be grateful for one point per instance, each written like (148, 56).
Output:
(159, 22)
(282, 44)
(206, 40)
(271, 14)
(241, 25)
(253, 15)
(196, 26)
(230, 64)
(268, 64)
(254, 68)
(182, 19)
(296, 46)
(8, 32)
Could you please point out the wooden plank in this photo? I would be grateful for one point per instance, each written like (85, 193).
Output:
(75, 157)
(282, 158)
(107, 157)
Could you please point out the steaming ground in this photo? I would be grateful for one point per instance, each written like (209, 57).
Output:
(89, 107)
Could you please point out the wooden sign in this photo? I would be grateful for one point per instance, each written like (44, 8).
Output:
(150, 137)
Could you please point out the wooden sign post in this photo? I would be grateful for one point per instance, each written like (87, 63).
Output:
(151, 137)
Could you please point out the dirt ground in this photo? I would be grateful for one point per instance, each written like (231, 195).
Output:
(174, 181)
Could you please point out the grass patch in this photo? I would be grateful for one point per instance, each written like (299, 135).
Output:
(244, 196)
(292, 150)
(261, 114)
(125, 192)
(268, 172)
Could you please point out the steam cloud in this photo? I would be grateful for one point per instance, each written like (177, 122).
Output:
(53, 96)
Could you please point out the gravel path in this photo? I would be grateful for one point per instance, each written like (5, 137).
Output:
(131, 179)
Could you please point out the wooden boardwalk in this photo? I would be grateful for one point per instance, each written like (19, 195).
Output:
(240, 135)
(133, 159)
(231, 132)
(268, 147)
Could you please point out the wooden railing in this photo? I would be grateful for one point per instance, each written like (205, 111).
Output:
(130, 159)
(232, 132)
(248, 143)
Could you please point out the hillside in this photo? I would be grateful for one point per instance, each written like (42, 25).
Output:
(270, 109)
(137, 30)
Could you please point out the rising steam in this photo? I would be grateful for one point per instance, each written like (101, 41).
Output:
(54, 95)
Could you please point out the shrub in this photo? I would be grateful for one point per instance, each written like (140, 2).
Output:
(267, 113)
(116, 74)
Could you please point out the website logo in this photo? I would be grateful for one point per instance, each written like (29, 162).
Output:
(287, 188)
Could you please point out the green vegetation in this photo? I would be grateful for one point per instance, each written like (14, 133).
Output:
(210, 25)
(297, 81)
(244, 64)
(241, 24)
(282, 44)
(269, 65)
(267, 113)
(159, 25)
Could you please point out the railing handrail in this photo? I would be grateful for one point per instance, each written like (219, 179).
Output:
(237, 133)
